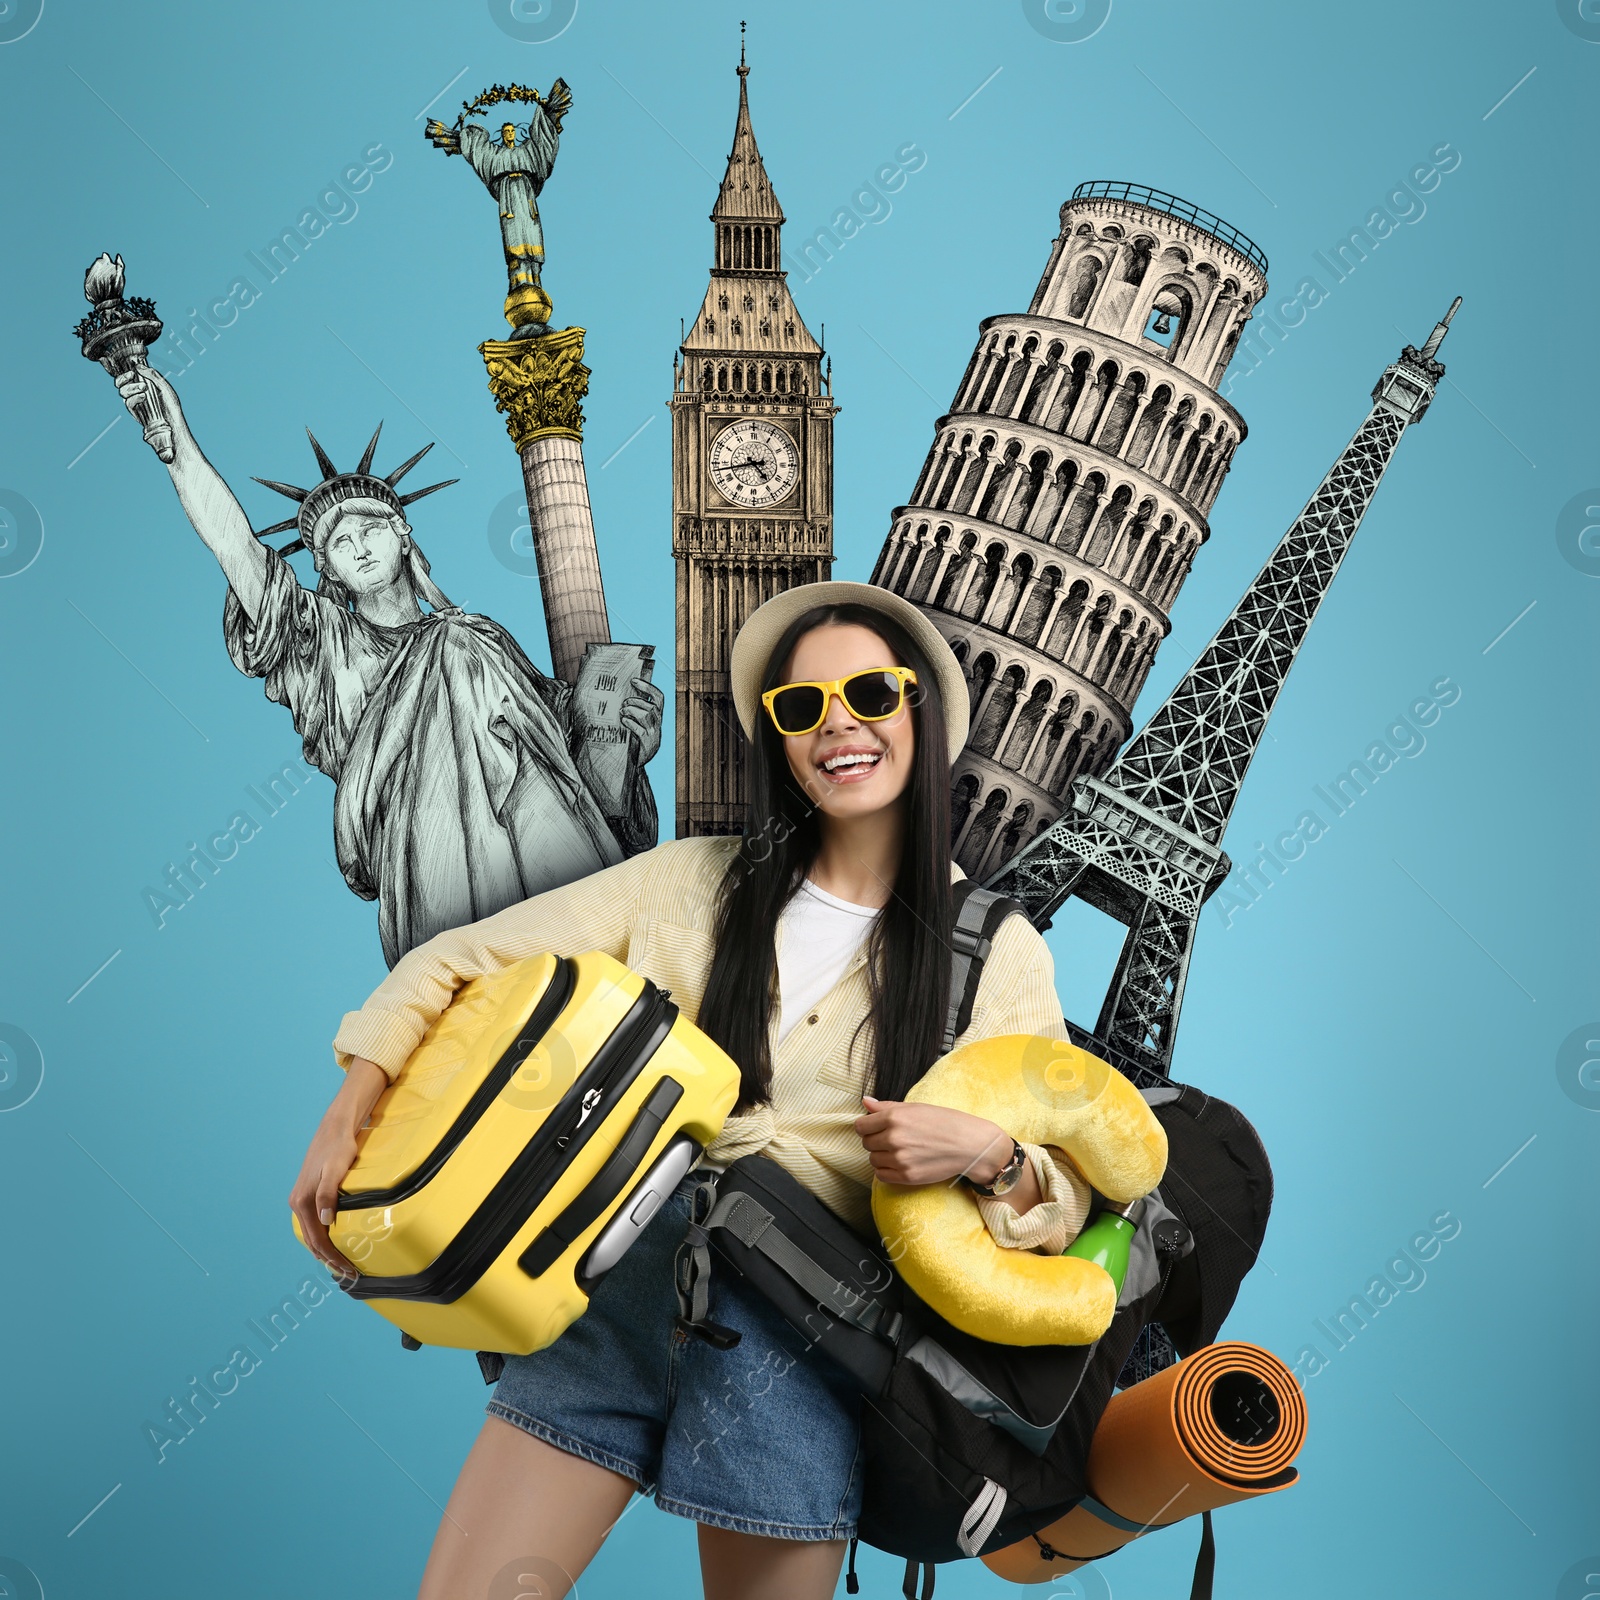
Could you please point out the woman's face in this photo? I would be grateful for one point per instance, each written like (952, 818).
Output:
(883, 751)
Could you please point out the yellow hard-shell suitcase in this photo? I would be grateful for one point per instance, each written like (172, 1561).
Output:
(528, 1139)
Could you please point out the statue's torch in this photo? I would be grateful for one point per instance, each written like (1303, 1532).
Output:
(117, 333)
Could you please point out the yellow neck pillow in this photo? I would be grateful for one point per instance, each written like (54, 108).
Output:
(1041, 1091)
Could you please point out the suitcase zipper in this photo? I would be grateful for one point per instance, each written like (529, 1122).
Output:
(590, 1100)
(550, 1005)
(528, 1179)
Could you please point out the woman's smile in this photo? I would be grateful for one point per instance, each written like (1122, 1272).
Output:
(850, 763)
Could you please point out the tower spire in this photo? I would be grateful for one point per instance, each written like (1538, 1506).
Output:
(1436, 338)
(746, 194)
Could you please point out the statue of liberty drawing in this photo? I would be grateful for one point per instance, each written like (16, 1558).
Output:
(456, 789)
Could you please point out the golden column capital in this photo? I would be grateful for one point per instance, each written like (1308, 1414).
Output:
(539, 383)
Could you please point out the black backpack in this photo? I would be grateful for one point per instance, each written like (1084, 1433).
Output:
(971, 1446)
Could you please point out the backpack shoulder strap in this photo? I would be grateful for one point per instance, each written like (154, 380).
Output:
(978, 915)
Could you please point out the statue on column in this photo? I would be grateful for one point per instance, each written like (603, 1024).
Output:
(538, 380)
(514, 165)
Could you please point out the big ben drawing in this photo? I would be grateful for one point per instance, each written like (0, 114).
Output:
(752, 474)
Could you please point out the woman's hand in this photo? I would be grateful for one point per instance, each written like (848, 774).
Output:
(909, 1143)
(912, 1143)
(332, 1154)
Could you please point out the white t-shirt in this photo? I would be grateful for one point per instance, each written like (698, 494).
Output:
(818, 938)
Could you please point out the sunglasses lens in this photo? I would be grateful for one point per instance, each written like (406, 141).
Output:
(872, 695)
(797, 709)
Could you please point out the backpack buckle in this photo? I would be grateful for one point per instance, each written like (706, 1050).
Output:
(714, 1333)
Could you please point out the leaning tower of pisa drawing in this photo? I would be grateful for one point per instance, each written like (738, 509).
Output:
(1066, 493)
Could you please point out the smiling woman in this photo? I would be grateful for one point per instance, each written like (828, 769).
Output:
(868, 801)
(815, 951)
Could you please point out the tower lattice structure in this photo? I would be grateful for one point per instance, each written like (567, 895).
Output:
(1143, 843)
(1066, 493)
(752, 474)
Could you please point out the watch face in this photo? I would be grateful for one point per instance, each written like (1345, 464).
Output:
(754, 463)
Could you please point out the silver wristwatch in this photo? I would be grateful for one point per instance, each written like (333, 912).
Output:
(1006, 1179)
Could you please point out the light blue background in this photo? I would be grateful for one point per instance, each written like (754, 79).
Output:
(1389, 1014)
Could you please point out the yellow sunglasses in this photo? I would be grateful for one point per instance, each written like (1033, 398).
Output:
(871, 696)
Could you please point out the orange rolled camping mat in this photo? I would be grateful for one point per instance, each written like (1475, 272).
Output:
(1223, 1425)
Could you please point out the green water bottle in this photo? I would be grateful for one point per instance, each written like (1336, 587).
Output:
(1107, 1239)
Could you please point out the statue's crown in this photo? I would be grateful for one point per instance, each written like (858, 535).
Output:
(556, 104)
(362, 484)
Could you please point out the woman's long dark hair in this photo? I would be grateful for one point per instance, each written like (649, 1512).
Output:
(908, 950)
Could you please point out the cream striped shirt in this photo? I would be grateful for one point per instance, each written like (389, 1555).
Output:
(656, 913)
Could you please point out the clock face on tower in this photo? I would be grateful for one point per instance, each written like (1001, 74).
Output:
(754, 463)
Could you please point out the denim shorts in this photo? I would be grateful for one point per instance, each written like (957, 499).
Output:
(763, 1438)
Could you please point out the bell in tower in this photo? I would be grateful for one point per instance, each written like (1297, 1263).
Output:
(752, 473)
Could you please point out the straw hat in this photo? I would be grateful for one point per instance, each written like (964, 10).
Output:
(767, 624)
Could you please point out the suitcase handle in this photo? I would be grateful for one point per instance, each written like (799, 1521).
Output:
(607, 1184)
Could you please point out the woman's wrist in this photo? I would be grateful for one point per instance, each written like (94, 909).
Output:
(998, 1154)
(364, 1082)
(1026, 1193)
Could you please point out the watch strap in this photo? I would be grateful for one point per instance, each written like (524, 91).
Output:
(1005, 1180)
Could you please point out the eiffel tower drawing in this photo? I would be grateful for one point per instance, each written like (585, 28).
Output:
(1143, 842)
